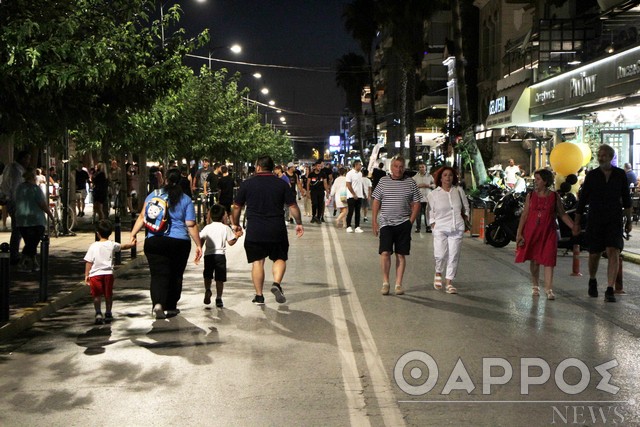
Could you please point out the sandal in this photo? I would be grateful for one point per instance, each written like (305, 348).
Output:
(451, 290)
(437, 282)
(536, 291)
(550, 294)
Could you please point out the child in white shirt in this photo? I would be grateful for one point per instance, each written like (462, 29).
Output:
(98, 271)
(216, 235)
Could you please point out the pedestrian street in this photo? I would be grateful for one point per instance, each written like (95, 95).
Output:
(338, 353)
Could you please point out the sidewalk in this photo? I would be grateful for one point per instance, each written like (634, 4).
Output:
(65, 278)
(66, 273)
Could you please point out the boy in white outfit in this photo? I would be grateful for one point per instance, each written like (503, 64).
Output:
(216, 235)
(98, 271)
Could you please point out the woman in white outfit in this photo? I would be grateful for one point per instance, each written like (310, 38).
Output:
(447, 211)
(339, 194)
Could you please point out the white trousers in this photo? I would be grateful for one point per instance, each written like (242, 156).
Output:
(446, 250)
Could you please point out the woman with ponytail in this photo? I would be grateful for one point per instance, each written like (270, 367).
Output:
(167, 251)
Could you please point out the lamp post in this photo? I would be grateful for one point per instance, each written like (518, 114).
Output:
(162, 5)
(235, 48)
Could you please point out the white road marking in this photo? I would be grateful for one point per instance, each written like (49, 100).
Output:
(350, 376)
(379, 379)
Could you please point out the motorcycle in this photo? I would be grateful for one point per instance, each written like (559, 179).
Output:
(487, 196)
(507, 216)
(508, 211)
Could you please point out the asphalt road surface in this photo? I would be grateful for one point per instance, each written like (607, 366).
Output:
(338, 353)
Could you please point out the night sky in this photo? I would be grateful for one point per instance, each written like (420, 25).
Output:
(296, 33)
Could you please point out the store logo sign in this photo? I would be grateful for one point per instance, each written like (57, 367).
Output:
(545, 95)
(582, 85)
(628, 70)
(498, 105)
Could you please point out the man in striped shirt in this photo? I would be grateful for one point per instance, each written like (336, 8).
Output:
(396, 205)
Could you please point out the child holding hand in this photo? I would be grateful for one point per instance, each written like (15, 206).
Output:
(98, 271)
(216, 235)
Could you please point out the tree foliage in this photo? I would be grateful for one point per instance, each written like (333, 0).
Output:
(83, 63)
(206, 117)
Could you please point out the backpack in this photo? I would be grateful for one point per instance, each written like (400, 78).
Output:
(156, 214)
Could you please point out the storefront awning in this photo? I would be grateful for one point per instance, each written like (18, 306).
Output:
(517, 109)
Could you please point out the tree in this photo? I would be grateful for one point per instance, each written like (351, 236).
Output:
(360, 20)
(206, 117)
(405, 22)
(474, 160)
(351, 76)
(83, 63)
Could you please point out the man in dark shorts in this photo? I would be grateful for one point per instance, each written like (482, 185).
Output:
(606, 191)
(264, 194)
(396, 205)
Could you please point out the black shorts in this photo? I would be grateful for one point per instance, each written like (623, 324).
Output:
(215, 264)
(261, 250)
(604, 234)
(396, 236)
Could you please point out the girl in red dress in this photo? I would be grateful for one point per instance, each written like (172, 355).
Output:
(537, 238)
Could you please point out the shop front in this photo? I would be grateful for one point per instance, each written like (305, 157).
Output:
(605, 93)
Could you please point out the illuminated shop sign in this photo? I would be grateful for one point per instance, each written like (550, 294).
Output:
(498, 105)
(624, 71)
(614, 77)
(545, 95)
(582, 85)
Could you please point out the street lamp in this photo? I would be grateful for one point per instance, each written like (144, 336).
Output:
(235, 48)
(162, 5)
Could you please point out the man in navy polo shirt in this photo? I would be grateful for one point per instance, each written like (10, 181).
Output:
(264, 194)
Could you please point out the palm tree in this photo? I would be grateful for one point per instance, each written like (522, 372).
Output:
(405, 22)
(360, 20)
(478, 169)
(351, 76)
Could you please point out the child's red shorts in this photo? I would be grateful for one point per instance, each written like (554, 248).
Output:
(101, 285)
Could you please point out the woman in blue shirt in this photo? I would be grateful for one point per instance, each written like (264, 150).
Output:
(168, 250)
(31, 208)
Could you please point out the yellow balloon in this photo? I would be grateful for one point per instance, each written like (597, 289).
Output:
(586, 153)
(566, 158)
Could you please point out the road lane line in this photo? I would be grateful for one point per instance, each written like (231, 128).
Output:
(382, 387)
(350, 375)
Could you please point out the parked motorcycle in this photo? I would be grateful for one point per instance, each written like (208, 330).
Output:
(508, 211)
(486, 197)
(507, 216)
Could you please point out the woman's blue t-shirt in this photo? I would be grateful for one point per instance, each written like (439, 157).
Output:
(178, 214)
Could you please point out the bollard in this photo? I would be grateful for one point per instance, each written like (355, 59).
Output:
(4, 282)
(575, 268)
(199, 210)
(618, 286)
(117, 228)
(481, 233)
(44, 268)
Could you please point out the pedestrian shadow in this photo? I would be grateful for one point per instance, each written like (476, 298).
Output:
(512, 318)
(300, 325)
(179, 337)
(95, 340)
(295, 324)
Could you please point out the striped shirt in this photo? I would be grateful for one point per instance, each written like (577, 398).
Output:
(396, 197)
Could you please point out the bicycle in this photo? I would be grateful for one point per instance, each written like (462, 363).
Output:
(57, 209)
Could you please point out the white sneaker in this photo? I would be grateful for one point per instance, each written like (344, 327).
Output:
(359, 230)
(349, 230)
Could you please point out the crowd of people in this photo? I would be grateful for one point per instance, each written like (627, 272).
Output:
(400, 202)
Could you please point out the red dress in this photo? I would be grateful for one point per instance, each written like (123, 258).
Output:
(540, 235)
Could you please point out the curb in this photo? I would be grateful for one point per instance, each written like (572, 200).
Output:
(631, 257)
(26, 317)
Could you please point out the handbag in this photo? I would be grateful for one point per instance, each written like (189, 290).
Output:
(465, 218)
(343, 195)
